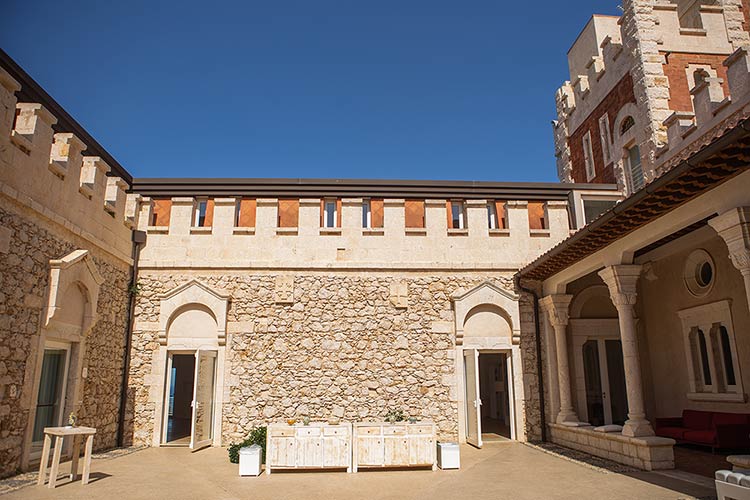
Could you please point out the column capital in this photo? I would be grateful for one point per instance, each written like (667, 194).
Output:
(556, 306)
(734, 228)
(622, 281)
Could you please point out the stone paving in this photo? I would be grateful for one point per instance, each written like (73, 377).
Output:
(499, 471)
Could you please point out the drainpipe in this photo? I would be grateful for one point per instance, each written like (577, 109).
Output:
(139, 238)
(538, 342)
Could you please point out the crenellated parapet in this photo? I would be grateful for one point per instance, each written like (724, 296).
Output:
(714, 110)
(48, 172)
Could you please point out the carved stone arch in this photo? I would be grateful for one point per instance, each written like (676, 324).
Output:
(75, 270)
(197, 293)
(584, 297)
(487, 294)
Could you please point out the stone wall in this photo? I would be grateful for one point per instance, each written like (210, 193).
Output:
(27, 244)
(342, 348)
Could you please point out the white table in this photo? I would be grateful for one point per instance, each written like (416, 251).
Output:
(60, 433)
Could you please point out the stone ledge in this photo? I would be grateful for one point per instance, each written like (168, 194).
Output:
(647, 453)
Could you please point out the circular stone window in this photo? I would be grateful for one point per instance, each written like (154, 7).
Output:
(699, 273)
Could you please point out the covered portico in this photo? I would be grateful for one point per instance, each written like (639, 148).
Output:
(652, 292)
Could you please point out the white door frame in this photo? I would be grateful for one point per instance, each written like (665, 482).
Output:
(36, 450)
(583, 330)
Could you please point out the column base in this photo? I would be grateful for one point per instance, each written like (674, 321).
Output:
(570, 419)
(637, 428)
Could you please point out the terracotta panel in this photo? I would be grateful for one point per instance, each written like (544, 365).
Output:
(161, 212)
(247, 213)
(322, 212)
(536, 216)
(209, 219)
(414, 213)
(502, 220)
(376, 211)
(289, 213)
(338, 212)
(449, 214)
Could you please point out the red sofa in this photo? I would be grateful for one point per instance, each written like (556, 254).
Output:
(707, 428)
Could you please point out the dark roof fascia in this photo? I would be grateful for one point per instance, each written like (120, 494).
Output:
(31, 91)
(741, 130)
(312, 188)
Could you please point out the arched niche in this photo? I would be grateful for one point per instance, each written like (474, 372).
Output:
(593, 302)
(487, 315)
(193, 301)
(73, 294)
(193, 326)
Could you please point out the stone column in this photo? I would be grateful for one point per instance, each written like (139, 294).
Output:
(621, 281)
(556, 307)
(734, 228)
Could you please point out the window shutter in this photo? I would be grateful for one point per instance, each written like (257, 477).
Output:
(209, 219)
(376, 211)
(247, 213)
(536, 216)
(161, 212)
(414, 213)
(322, 212)
(338, 212)
(502, 222)
(288, 213)
(449, 212)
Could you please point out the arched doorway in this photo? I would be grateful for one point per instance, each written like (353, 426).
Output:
(488, 365)
(192, 343)
(597, 357)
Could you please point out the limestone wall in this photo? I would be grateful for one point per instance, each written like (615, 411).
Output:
(57, 204)
(26, 247)
(343, 347)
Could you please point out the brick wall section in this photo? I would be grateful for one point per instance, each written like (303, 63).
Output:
(674, 69)
(620, 95)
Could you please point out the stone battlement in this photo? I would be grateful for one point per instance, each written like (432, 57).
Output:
(180, 242)
(713, 107)
(49, 173)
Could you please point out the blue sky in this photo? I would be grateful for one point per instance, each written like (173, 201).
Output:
(418, 89)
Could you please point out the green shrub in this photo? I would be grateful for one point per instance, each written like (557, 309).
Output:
(257, 436)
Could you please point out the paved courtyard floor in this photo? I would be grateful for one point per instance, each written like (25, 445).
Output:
(499, 471)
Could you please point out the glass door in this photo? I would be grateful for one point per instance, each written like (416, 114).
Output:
(473, 401)
(203, 400)
(50, 402)
(604, 374)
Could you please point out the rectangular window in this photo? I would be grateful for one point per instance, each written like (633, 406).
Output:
(245, 213)
(456, 214)
(635, 171)
(160, 212)
(288, 213)
(329, 213)
(377, 210)
(594, 208)
(204, 213)
(537, 216)
(492, 221)
(605, 137)
(588, 157)
(414, 214)
(366, 214)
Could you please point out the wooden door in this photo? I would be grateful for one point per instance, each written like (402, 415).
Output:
(336, 451)
(309, 451)
(421, 450)
(370, 450)
(473, 401)
(283, 452)
(396, 450)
